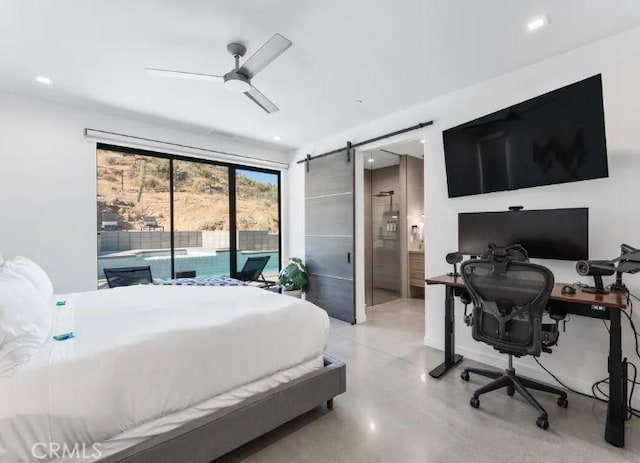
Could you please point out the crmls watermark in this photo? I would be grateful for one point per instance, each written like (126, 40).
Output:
(51, 450)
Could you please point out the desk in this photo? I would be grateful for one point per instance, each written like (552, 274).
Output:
(581, 304)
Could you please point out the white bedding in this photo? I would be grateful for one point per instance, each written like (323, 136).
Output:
(146, 352)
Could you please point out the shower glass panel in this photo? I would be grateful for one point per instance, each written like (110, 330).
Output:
(385, 271)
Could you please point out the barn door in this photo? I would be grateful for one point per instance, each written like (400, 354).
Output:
(329, 235)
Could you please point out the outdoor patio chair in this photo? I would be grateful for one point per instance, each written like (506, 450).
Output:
(252, 271)
(150, 223)
(110, 221)
(128, 276)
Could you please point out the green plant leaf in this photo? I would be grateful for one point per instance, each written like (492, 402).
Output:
(294, 276)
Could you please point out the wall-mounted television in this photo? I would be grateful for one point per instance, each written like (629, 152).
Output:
(557, 137)
(561, 234)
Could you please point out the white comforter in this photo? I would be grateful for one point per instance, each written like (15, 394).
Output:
(142, 352)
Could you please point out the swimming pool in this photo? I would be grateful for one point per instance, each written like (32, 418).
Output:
(204, 262)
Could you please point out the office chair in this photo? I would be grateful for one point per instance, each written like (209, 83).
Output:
(128, 276)
(509, 296)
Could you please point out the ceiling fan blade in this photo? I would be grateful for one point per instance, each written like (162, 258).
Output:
(183, 75)
(258, 98)
(273, 48)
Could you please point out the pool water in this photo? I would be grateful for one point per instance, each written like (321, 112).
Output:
(219, 264)
(203, 262)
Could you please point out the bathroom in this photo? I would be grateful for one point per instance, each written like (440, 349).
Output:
(394, 223)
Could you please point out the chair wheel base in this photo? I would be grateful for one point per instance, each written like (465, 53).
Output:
(542, 423)
(563, 402)
(474, 402)
(464, 376)
(511, 391)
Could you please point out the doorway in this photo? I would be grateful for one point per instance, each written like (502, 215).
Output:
(383, 281)
(393, 223)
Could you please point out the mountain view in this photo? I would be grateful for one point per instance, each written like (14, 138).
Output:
(134, 186)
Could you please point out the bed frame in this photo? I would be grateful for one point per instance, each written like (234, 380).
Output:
(212, 436)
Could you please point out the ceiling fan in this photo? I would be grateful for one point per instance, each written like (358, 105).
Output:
(239, 78)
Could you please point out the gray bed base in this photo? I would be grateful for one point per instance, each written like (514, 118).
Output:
(210, 437)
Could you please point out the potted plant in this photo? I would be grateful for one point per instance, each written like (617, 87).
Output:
(294, 278)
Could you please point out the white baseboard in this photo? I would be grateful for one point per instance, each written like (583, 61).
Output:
(361, 314)
(435, 343)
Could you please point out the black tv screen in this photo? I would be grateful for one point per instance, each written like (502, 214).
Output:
(557, 137)
(561, 234)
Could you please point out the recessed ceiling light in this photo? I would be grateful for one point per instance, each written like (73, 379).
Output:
(422, 141)
(537, 23)
(44, 80)
(370, 160)
(277, 137)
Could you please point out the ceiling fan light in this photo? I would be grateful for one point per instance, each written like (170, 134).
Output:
(237, 83)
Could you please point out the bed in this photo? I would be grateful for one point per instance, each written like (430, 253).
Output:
(167, 373)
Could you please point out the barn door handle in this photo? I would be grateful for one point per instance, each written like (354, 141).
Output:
(348, 258)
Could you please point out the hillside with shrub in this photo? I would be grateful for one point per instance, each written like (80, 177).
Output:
(134, 186)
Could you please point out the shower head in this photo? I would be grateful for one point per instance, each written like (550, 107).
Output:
(382, 194)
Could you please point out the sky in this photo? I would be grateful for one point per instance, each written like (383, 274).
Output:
(260, 176)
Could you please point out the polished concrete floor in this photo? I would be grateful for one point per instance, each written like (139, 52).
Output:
(394, 412)
(383, 296)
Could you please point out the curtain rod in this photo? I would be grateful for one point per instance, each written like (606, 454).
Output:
(87, 134)
(366, 142)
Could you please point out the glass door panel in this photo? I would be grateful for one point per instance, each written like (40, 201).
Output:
(201, 219)
(133, 208)
(258, 219)
(385, 223)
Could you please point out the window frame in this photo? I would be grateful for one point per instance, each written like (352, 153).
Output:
(232, 172)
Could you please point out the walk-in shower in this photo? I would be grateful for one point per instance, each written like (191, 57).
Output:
(382, 239)
(393, 223)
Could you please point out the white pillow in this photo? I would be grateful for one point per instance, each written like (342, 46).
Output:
(32, 272)
(25, 321)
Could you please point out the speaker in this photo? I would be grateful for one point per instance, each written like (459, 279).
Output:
(454, 258)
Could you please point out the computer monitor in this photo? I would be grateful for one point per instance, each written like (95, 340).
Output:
(561, 234)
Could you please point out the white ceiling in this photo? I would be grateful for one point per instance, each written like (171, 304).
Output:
(391, 54)
(389, 155)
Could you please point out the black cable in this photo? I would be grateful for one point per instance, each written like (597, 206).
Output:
(633, 327)
(593, 396)
(596, 386)
(630, 411)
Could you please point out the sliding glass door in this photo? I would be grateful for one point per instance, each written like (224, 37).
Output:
(200, 219)
(133, 212)
(184, 217)
(258, 219)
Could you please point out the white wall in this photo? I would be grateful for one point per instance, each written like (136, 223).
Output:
(581, 357)
(48, 183)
